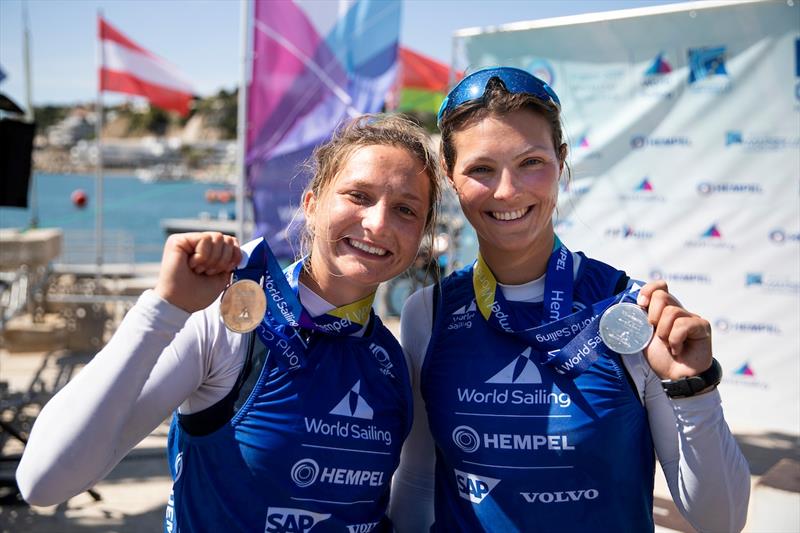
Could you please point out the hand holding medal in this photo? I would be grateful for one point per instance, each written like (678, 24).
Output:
(195, 268)
(681, 345)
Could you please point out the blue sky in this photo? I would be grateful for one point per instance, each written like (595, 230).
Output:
(201, 37)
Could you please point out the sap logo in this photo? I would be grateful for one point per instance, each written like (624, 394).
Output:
(288, 520)
(474, 488)
(362, 528)
(561, 496)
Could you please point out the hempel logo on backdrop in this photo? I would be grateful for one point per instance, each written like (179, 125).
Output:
(727, 326)
(707, 188)
(645, 141)
(700, 278)
(781, 236)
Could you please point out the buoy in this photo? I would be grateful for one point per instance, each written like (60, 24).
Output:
(79, 198)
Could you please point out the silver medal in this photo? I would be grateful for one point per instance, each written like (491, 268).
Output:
(624, 328)
(243, 306)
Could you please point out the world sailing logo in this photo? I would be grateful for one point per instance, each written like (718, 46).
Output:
(353, 405)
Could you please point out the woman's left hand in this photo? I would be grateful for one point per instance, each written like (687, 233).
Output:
(681, 345)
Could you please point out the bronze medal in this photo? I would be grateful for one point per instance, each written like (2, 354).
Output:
(243, 306)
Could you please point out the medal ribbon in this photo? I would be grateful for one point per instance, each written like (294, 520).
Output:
(282, 325)
(569, 342)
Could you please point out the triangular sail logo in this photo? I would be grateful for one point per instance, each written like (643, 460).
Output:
(353, 405)
(465, 309)
(520, 370)
(712, 232)
(659, 66)
(645, 185)
(744, 370)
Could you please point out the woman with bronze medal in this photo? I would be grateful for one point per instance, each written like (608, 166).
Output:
(546, 382)
(291, 398)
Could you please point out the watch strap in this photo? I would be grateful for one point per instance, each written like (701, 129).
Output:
(685, 387)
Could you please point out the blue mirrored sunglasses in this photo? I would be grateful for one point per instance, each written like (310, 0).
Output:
(516, 81)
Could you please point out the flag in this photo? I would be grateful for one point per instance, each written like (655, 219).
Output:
(129, 68)
(315, 64)
(422, 82)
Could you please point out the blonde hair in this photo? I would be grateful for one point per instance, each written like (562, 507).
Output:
(372, 130)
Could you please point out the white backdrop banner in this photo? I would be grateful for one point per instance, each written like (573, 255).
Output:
(684, 130)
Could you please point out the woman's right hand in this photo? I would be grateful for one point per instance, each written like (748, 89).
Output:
(196, 267)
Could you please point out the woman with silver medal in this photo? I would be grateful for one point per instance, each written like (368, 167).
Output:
(547, 381)
(297, 424)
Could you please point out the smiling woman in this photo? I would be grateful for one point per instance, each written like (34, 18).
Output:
(253, 433)
(538, 377)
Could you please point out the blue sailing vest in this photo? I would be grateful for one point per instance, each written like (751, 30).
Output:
(313, 447)
(520, 447)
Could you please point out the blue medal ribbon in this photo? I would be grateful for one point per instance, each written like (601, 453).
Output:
(568, 341)
(286, 323)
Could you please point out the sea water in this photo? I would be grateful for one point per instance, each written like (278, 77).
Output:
(131, 208)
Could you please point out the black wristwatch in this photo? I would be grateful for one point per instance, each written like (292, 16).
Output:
(685, 387)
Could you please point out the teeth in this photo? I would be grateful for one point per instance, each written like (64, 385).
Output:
(509, 215)
(374, 250)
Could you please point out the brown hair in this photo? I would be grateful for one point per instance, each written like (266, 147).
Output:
(370, 130)
(498, 101)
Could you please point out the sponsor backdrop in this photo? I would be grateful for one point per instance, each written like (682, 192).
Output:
(684, 131)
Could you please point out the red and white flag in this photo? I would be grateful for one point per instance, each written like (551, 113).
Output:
(129, 68)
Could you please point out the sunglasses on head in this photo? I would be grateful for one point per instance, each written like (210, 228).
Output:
(516, 81)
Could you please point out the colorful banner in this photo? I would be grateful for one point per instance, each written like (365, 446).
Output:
(315, 64)
(684, 141)
(129, 68)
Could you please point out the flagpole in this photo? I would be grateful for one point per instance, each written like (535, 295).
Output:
(241, 124)
(29, 116)
(98, 221)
